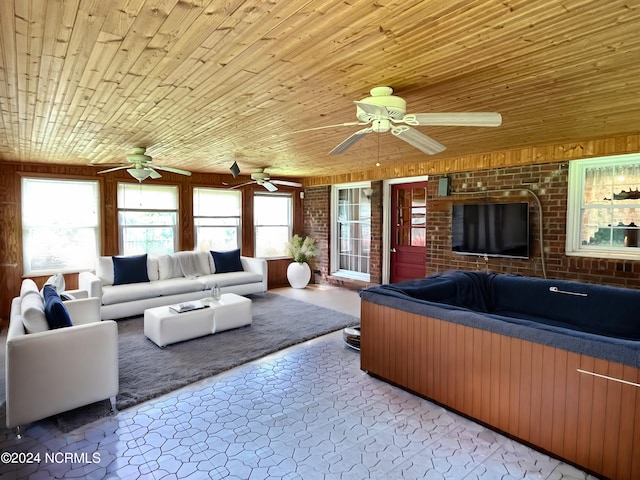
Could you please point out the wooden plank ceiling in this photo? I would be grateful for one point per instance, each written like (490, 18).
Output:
(203, 83)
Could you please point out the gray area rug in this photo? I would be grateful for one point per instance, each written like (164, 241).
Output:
(148, 371)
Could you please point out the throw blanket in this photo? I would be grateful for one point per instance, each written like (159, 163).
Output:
(190, 264)
(464, 289)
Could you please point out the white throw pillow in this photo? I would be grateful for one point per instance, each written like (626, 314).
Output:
(57, 281)
(32, 312)
(168, 267)
(204, 267)
(152, 268)
(27, 286)
(104, 270)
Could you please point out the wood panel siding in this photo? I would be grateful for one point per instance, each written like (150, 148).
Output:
(11, 268)
(530, 391)
(204, 83)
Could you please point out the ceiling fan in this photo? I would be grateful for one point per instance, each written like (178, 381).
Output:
(141, 168)
(383, 112)
(262, 178)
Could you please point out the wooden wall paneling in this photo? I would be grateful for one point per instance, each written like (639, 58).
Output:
(538, 397)
(598, 417)
(526, 390)
(277, 272)
(585, 408)
(459, 367)
(633, 375)
(515, 379)
(571, 402)
(612, 418)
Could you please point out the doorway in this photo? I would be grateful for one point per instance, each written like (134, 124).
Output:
(408, 245)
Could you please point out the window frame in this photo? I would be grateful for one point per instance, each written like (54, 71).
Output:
(238, 225)
(575, 207)
(97, 228)
(334, 266)
(256, 225)
(121, 227)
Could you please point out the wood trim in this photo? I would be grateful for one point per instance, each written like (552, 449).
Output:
(530, 391)
(485, 161)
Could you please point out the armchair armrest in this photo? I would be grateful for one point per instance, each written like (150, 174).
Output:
(78, 293)
(256, 265)
(91, 283)
(83, 310)
(59, 370)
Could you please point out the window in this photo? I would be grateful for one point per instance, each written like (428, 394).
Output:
(147, 218)
(272, 220)
(216, 216)
(351, 235)
(603, 210)
(60, 225)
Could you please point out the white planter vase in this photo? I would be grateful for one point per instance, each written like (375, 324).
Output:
(298, 274)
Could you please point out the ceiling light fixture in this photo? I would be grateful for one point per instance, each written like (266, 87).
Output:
(235, 169)
(139, 174)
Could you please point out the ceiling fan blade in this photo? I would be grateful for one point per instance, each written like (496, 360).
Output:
(353, 138)
(172, 170)
(348, 124)
(460, 119)
(286, 183)
(241, 185)
(115, 169)
(269, 186)
(153, 174)
(417, 139)
(371, 109)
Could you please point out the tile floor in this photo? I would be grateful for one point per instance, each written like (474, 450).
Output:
(307, 412)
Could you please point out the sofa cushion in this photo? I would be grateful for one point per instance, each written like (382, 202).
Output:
(131, 269)
(131, 292)
(32, 312)
(229, 279)
(227, 261)
(55, 311)
(168, 267)
(176, 286)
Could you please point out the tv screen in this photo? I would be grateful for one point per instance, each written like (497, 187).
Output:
(492, 229)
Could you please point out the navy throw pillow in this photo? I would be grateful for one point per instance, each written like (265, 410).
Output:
(227, 261)
(132, 269)
(54, 310)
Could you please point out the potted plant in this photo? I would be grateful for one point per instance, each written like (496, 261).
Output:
(301, 250)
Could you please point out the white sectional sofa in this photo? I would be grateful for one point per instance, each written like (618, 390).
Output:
(50, 370)
(176, 278)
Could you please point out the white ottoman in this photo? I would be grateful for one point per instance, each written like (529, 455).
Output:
(231, 311)
(163, 326)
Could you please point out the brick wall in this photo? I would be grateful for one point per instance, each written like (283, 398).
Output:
(317, 215)
(548, 182)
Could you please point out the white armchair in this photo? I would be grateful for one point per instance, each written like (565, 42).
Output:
(52, 371)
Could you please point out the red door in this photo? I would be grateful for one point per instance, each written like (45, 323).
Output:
(408, 231)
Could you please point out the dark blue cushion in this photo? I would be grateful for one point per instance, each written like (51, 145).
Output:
(227, 261)
(54, 310)
(132, 269)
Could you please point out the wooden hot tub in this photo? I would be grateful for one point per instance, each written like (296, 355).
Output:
(579, 407)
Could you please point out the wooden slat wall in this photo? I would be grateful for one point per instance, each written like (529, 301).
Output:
(530, 391)
(11, 271)
(203, 82)
(485, 161)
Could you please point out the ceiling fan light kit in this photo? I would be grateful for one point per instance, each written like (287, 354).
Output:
(382, 111)
(262, 178)
(139, 174)
(141, 167)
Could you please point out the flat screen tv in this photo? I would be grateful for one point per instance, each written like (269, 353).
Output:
(491, 229)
